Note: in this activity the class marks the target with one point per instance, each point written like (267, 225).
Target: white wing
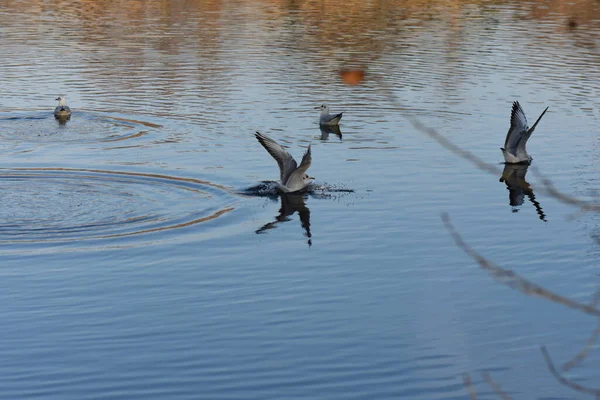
(286, 162)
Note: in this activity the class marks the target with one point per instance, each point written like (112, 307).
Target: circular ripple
(50, 205)
(81, 127)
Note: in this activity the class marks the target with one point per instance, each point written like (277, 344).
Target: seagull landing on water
(62, 111)
(293, 178)
(514, 151)
(326, 118)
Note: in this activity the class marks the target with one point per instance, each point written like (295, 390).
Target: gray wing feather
(329, 117)
(306, 160)
(527, 134)
(518, 127)
(287, 164)
(298, 174)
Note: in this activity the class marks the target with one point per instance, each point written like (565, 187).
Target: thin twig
(567, 382)
(469, 385)
(511, 279)
(579, 357)
(596, 299)
(467, 155)
(548, 186)
(488, 378)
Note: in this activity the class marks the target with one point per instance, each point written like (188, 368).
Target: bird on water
(62, 111)
(326, 118)
(514, 150)
(293, 177)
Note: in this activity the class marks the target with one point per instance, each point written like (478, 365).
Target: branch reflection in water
(291, 203)
(511, 279)
(514, 178)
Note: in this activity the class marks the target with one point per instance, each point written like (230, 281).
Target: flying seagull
(514, 151)
(326, 118)
(62, 111)
(293, 178)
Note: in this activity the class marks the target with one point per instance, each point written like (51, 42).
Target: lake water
(136, 264)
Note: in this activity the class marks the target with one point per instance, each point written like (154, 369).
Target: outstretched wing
(296, 178)
(518, 127)
(286, 162)
(305, 163)
(527, 134)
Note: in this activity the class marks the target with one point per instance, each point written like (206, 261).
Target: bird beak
(310, 177)
(317, 108)
(57, 99)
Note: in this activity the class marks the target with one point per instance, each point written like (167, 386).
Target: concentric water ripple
(53, 205)
(82, 127)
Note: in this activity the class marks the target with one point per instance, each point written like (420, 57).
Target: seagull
(293, 178)
(514, 147)
(62, 111)
(326, 118)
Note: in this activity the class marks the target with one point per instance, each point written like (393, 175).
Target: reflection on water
(62, 121)
(513, 176)
(290, 204)
(51, 205)
(84, 127)
(327, 129)
(337, 321)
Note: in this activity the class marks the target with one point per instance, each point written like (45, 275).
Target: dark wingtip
(259, 136)
(539, 119)
(515, 107)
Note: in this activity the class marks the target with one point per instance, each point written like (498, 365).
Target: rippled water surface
(144, 255)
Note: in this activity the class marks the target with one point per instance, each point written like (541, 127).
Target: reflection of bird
(291, 203)
(327, 129)
(326, 118)
(514, 146)
(514, 178)
(62, 111)
(293, 178)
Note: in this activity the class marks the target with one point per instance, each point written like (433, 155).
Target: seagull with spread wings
(514, 151)
(293, 178)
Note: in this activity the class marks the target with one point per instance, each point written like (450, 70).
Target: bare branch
(567, 382)
(579, 357)
(596, 299)
(469, 385)
(488, 378)
(511, 279)
(467, 155)
(548, 186)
